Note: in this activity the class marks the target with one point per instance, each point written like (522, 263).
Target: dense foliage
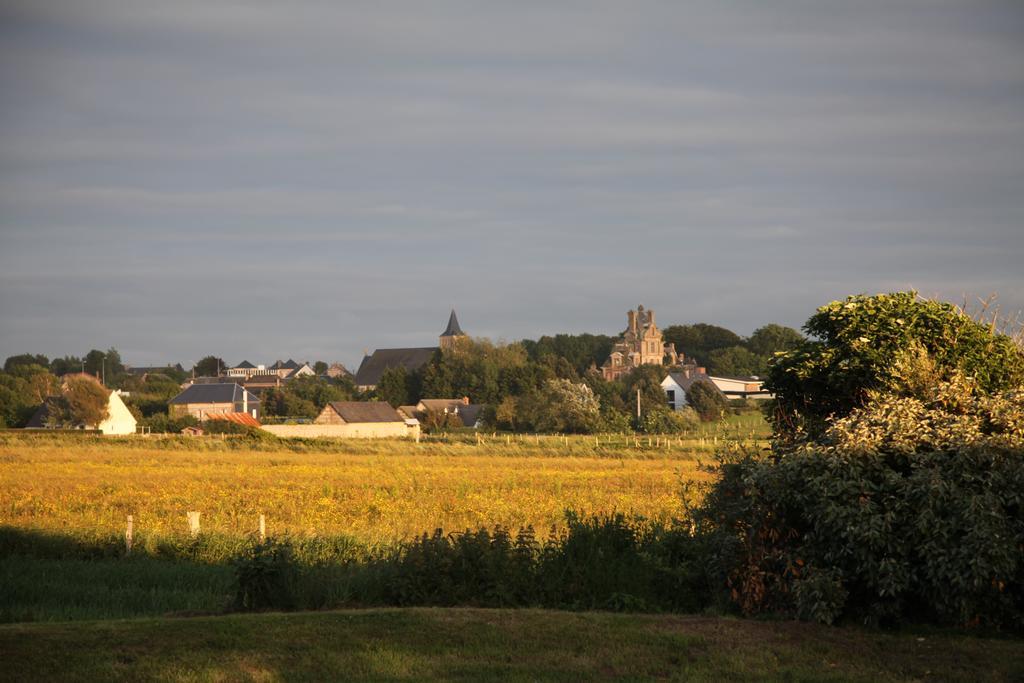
(857, 341)
(905, 502)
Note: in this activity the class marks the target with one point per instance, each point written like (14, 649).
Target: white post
(193, 523)
(263, 528)
(128, 536)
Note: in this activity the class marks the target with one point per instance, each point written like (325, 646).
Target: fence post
(263, 528)
(128, 536)
(193, 523)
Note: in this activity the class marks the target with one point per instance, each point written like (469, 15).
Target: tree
(65, 365)
(699, 340)
(94, 362)
(736, 361)
(647, 380)
(87, 401)
(13, 362)
(320, 367)
(561, 406)
(709, 403)
(393, 387)
(772, 338)
(854, 350)
(210, 366)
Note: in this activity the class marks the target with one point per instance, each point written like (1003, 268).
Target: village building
(468, 413)
(751, 387)
(353, 419)
(376, 364)
(677, 384)
(640, 344)
(203, 400)
(119, 420)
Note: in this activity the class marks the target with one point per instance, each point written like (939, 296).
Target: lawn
(482, 645)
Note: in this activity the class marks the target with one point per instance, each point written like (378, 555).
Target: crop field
(65, 499)
(375, 492)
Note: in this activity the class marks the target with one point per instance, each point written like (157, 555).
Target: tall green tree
(13, 362)
(736, 361)
(699, 340)
(772, 338)
(210, 366)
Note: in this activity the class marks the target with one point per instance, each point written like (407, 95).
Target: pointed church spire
(453, 329)
(452, 333)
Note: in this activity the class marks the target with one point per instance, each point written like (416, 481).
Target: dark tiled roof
(453, 329)
(470, 414)
(449, 404)
(42, 414)
(212, 393)
(287, 365)
(244, 365)
(366, 411)
(373, 366)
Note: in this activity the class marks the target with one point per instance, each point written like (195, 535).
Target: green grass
(43, 589)
(482, 645)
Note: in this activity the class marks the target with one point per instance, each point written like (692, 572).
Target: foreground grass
(475, 645)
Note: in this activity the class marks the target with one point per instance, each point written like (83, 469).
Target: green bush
(911, 507)
(857, 343)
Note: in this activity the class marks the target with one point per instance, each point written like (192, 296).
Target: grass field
(484, 645)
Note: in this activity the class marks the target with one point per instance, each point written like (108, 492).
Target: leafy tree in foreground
(857, 342)
(907, 506)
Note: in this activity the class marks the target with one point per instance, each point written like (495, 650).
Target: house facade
(354, 420)
(640, 344)
(677, 384)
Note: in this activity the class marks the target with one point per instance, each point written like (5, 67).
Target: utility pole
(638, 406)
(103, 369)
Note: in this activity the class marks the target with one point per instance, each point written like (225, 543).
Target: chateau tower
(640, 344)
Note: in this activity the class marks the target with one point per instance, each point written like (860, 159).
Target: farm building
(353, 419)
(741, 387)
(119, 420)
(203, 400)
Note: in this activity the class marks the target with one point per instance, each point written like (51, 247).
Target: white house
(676, 384)
(119, 420)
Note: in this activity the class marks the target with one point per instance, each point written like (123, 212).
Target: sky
(313, 179)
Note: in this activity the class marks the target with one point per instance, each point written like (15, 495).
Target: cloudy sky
(311, 179)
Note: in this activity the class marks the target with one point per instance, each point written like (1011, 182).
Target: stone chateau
(640, 344)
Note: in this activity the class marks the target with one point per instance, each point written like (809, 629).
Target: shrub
(264, 577)
(908, 508)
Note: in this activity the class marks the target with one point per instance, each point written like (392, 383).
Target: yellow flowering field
(398, 490)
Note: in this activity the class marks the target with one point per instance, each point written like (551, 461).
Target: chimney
(631, 317)
(650, 317)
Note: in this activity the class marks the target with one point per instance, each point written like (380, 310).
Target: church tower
(452, 334)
